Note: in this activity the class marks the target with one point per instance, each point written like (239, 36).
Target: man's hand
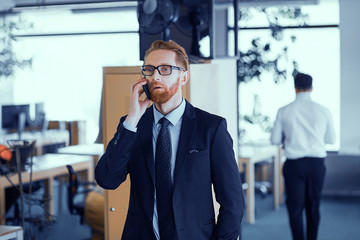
(137, 106)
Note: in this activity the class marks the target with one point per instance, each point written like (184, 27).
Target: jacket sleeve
(112, 168)
(227, 185)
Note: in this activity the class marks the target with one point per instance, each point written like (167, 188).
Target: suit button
(150, 219)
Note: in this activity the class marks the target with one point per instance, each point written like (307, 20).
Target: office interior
(55, 97)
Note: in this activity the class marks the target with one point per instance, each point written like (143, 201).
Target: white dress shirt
(175, 118)
(303, 127)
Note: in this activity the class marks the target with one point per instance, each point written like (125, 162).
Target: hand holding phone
(138, 104)
(146, 90)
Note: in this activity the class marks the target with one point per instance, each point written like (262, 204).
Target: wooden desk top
(95, 149)
(48, 165)
(257, 152)
(46, 168)
(41, 137)
(53, 160)
(4, 229)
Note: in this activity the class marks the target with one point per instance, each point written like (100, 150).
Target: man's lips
(157, 87)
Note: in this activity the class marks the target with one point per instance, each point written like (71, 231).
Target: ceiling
(13, 6)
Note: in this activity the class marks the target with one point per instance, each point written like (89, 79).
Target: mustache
(154, 83)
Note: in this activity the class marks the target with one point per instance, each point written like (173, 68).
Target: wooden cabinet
(117, 82)
(213, 89)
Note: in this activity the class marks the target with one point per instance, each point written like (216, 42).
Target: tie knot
(164, 122)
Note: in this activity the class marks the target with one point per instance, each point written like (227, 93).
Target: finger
(138, 84)
(144, 102)
(141, 90)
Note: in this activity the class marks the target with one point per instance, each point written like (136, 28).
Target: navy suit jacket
(205, 156)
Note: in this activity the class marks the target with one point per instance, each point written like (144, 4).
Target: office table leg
(281, 197)
(2, 206)
(90, 173)
(281, 177)
(11, 233)
(20, 235)
(48, 195)
(276, 188)
(250, 192)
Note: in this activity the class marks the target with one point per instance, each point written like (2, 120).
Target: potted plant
(260, 58)
(8, 60)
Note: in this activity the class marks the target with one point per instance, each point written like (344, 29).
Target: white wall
(350, 77)
(343, 169)
(213, 88)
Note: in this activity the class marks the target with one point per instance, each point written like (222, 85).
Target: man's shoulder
(287, 106)
(202, 114)
(315, 106)
(310, 105)
(203, 117)
(319, 105)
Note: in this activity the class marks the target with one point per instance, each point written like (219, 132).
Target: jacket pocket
(207, 229)
(194, 153)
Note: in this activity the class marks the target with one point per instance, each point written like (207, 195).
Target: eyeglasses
(164, 70)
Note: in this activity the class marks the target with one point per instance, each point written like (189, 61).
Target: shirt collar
(174, 116)
(303, 96)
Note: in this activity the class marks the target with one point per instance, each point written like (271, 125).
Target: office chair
(77, 191)
(262, 186)
(26, 149)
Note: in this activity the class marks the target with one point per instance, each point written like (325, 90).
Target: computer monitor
(36, 119)
(13, 117)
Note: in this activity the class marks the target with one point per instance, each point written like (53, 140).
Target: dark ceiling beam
(75, 5)
(67, 3)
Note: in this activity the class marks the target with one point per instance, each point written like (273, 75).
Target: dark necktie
(163, 182)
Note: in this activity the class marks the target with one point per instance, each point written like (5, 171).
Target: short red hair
(181, 57)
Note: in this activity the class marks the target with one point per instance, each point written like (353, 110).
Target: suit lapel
(145, 128)
(188, 127)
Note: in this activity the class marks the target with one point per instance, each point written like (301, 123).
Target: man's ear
(184, 77)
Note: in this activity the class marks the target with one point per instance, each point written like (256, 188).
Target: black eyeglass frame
(157, 68)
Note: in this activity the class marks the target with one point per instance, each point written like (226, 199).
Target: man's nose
(156, 75)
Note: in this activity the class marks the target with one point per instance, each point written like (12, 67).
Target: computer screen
(10, 116)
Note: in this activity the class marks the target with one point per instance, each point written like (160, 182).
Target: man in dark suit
(174, 154)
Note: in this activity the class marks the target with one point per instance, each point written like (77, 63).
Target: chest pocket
(193, 154)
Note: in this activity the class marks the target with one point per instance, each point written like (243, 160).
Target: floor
(64, 227)
(340, 220)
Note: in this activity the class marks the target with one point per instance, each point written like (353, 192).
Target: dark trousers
(304, 179)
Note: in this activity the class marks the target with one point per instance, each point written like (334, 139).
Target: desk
(249, 155)
(11, 232)
(96, 150)
(46, 168)
(42, 138)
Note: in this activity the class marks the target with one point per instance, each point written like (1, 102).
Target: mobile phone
(146, 90)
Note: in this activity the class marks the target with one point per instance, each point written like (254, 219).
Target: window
(316, 51)
(69, 51)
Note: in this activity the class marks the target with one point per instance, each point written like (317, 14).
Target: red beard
(164, 96)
